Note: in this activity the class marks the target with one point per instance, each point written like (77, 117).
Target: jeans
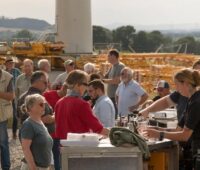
(114, 103)
(14, 123)
(4, 146)
(56, 153)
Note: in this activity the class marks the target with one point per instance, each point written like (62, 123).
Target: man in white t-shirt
(129, 94)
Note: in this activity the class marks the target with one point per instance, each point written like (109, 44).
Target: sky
(108, 12)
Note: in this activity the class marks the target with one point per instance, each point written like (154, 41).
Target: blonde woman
(187, 82)
(35, 139)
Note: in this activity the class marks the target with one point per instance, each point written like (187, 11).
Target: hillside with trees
(24, 23)
(125, 38)
(128, 39)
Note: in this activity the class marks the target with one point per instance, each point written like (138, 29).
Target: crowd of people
(80, 101)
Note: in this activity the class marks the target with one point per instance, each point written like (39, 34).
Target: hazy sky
(108, 12)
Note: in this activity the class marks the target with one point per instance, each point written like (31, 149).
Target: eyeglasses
(85, 84)
(41, 104)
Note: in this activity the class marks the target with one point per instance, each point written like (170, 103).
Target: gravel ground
(16, 153)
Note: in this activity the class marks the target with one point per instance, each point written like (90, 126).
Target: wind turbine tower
(74, 25)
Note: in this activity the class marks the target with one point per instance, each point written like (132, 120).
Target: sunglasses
(41, 104)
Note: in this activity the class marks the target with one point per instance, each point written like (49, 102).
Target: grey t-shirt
(114, 71)
(42, 142)
(60, 79)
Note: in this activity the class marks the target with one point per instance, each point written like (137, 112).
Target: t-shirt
(48, 109)
(74, 115)
(128, 95)
(192, 119)
(181, 102)
(114, 71)
(23, 82)
(42, 143)
(105, 111)
(51, 97)
(60, 79)
(15, 73)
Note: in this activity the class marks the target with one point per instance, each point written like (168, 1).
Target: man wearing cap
(15, 72)
(10, 67)
(163, 89)
(6, 97)
(69, 66)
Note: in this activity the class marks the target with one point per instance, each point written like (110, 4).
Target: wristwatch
(161, 137)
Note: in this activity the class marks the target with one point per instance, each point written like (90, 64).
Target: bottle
(197, 162)
(130, 126)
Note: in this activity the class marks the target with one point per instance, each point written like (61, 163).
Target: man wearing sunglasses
(162, 88)
(39, 83)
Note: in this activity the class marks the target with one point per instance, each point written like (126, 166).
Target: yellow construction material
(148, 67)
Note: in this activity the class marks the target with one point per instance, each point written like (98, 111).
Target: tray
(79, 143)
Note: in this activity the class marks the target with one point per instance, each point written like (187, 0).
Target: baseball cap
(68, 62)
(162, 84)
(9, 59)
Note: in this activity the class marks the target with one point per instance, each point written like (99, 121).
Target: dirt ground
(16, 153)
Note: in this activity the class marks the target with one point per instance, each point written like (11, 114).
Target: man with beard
(129, 95)
(103, 108)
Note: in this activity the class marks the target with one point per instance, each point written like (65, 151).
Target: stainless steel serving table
(108, 157)
(102, 157)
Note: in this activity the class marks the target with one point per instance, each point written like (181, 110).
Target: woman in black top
(187, 82)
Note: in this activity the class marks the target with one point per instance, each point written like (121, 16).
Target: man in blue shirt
(103, 108)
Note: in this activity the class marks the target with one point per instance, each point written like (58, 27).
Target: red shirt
(51, 97)
(74, 115)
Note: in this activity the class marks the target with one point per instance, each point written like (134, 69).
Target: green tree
(155, 39)
(125, 36)
(24, 34)
(141, 42)
(197, 47)
(188, 44)
(101, 35)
